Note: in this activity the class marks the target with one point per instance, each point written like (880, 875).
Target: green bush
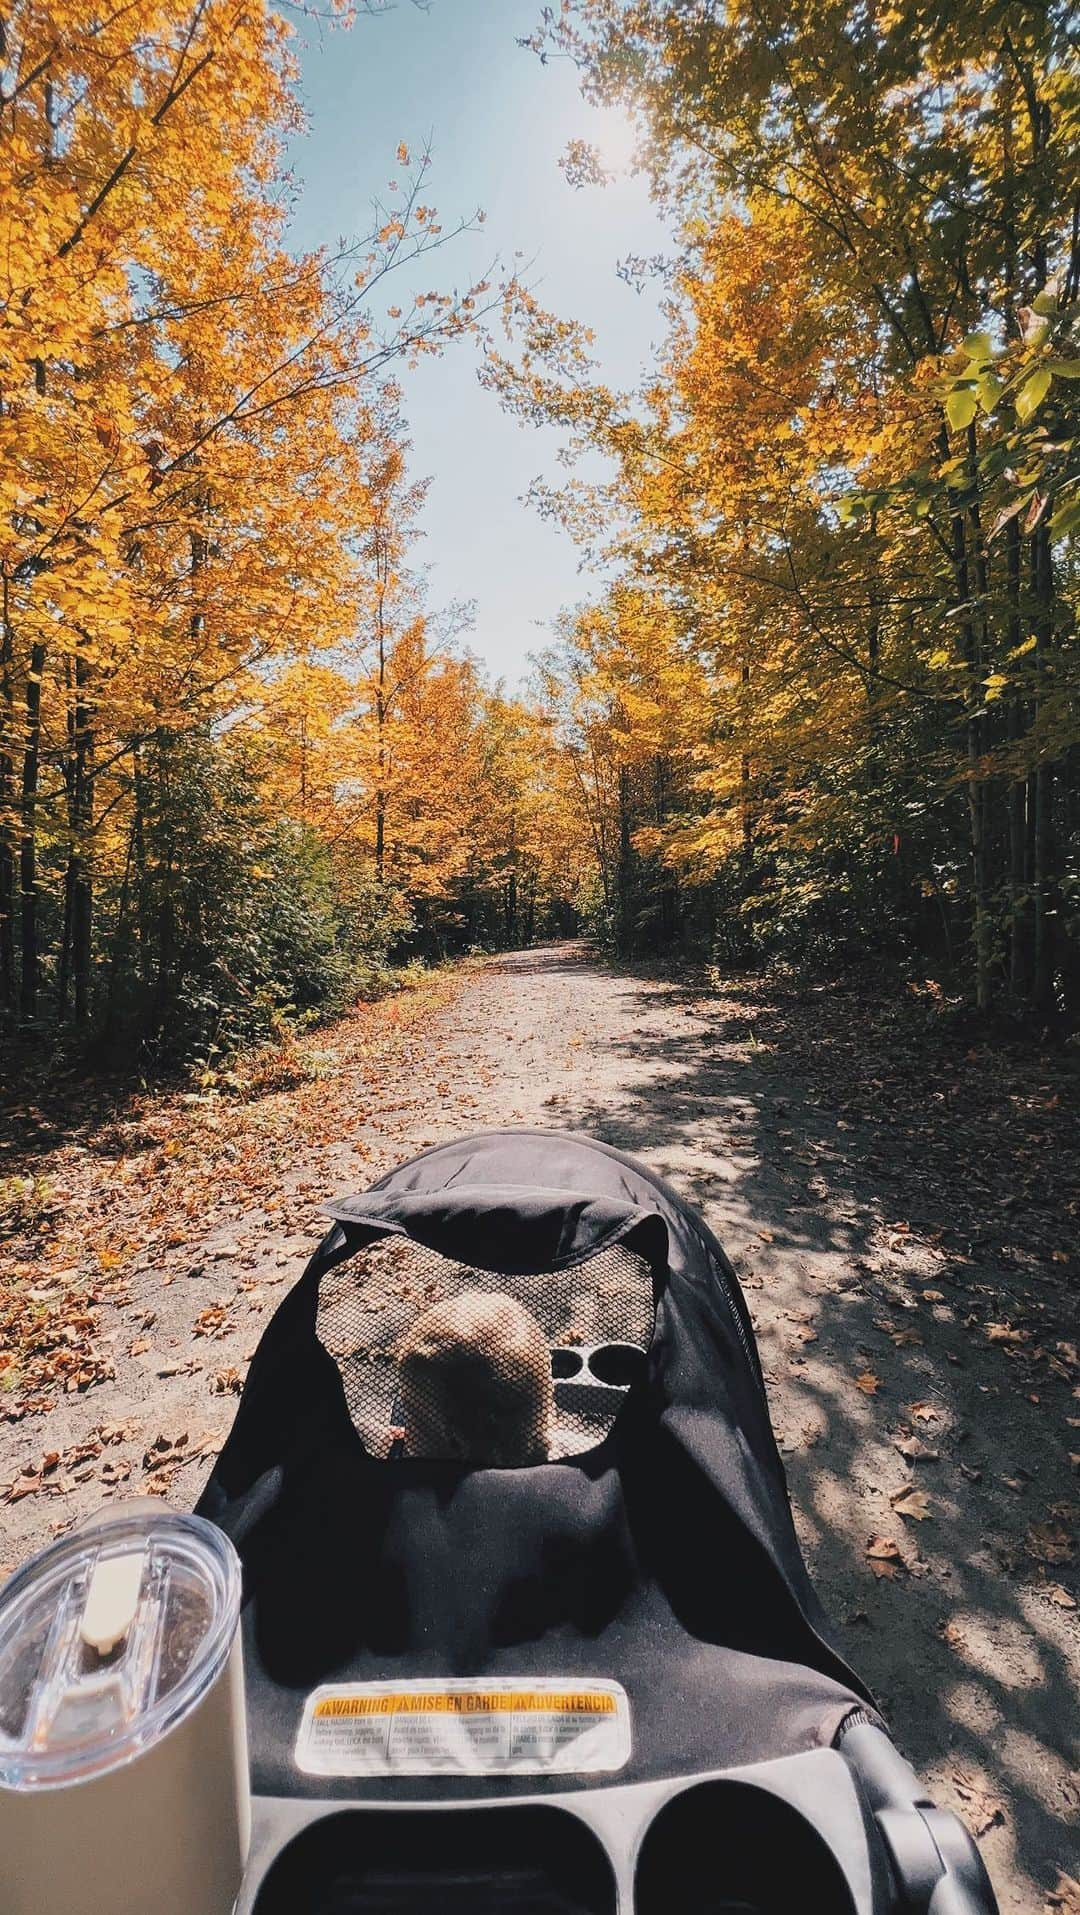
(247, 926)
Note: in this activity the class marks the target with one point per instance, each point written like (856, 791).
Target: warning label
(514, 1726)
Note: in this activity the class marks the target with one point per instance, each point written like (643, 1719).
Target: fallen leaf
(868, 1383)
(212, 1322)
(139, 1347)
(165, 1450)
(982, 1808)
(914, 1450)
(952, 1633)
(924, 1413)
(1005, 1333)
(1059, 1597)
(1064, 1897)
(1049, 1542)
(27, 1484)
(933, 1296)
(912, 1503)
(884, 1557)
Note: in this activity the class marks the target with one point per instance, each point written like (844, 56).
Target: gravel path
(904, 1360)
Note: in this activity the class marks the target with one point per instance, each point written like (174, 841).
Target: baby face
(475, 1382)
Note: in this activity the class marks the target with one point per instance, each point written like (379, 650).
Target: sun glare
(614, 136)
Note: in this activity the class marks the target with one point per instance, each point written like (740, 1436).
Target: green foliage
(247, 928)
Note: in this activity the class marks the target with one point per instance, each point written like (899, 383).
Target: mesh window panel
(439, 1359)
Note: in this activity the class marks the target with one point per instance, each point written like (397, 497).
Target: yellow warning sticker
(513, 1726)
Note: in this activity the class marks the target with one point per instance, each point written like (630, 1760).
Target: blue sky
(498, 121)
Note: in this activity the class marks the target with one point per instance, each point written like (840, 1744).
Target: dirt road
(912, 1312)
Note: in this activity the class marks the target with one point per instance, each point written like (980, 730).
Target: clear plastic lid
(108, 1639)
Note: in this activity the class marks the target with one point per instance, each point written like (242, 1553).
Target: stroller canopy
(654, 1551)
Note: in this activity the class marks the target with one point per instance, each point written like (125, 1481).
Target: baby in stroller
(563, 1653)
(474, 1377)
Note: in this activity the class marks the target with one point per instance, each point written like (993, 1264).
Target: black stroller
(598, 1683)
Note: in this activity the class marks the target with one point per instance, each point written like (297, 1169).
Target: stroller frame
(805, 1802)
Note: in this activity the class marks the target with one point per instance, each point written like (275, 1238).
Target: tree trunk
(382, 582)
(63, 975)
(138, 845)
(747, 819)
(7, 845)
(980, 912)
(1043, 956)
(622, 873)
(82, 886)
(28, 981)
(1019, 915)
(380, 807)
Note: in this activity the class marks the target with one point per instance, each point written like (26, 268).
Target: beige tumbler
(123, 1751)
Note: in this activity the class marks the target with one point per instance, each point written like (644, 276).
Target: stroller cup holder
(826, 1832)
(593, 1378)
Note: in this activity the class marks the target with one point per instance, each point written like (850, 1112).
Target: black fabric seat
(664, 1558)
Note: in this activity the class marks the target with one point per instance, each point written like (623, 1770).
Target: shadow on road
(883, 1239)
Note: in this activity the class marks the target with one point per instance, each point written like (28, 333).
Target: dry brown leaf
(933, 1296)
(139, 1347)
(982, 1808)
(905, 1338)
(914, 1450)
(883, 1555)
(952, 1633)
(924, 1413)
(27, 1484)
(212, 1322)
(1064, 1897)
(165, 1450)
(1049, 1542)
(913, 1504)
(1004, 1333)
(1059, 1597)
(868, 1383)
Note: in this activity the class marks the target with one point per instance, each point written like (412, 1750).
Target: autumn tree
(190, 417)
(853, 480)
